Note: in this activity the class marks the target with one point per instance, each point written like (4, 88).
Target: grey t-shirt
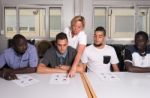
(51, 59)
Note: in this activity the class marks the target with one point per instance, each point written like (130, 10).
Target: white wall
(69, 12)
(87, 12)
(72, 8)
(121, 2)
(68, 7)
(22, 2)
(3, 41)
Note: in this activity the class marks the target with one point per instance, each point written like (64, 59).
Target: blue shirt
(14, 61)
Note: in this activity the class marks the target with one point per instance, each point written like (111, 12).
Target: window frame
(114, 35)
(46, 25)
(148, 18)
(108, 21)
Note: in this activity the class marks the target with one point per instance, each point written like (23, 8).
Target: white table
(43, 89)
(130, 85)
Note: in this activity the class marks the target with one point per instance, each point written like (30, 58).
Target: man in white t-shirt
(98, 57)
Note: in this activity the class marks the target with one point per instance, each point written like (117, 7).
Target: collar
(143, 53)
(62, 55)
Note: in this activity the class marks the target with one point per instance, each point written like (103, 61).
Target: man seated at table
(58, 58)
(137, 56)
(20, 58)
(98, 57)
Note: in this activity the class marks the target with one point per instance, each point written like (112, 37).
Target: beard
(98, 45)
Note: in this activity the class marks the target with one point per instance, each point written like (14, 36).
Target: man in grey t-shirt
(58, 58)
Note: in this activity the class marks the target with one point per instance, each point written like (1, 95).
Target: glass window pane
(31, 23)
(55, 21)
(142, 19)
(10, 22)
(26, 23)
(122, 22)
(99, 17)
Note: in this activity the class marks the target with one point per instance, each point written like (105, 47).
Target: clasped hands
(8, 74)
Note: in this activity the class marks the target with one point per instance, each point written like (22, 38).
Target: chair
(42, 47)
(120, 54)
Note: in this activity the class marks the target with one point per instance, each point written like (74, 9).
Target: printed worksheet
(108, 76)
(59, 79)
(25, 80)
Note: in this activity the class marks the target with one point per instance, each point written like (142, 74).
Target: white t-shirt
(94, 58)
(81, 38)
(133, 56)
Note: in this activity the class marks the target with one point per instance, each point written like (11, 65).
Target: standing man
(58, 59)
(20, 58)
(137, 56)
(98, 57)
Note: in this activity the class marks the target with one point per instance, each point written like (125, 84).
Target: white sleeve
(82, 38)
(84, 57)
(114, 58)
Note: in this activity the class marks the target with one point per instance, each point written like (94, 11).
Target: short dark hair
(16, 39)
(100, 29)
(61, 36)
(142, 33)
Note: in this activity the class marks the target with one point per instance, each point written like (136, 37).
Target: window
(31, 22)
(10, 22)
(99, 17)
(122, 22)
(55, 21)
(142, 24)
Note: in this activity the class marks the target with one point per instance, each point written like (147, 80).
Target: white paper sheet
(59, 79)
(25, 80)
(108, 76)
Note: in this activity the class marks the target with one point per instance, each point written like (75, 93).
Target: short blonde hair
(78, 18)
